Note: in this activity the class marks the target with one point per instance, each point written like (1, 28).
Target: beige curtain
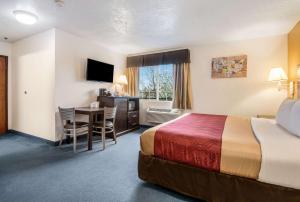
(182, 86)
(132, 74)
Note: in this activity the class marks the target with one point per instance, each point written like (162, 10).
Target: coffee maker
(102, 92)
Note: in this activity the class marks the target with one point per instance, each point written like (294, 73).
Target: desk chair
(107, 125)
(71, 127)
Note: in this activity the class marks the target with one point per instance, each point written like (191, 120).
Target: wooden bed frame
(210, 186)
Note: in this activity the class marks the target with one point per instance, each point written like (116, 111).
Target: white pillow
(294, 126)
(283, 114)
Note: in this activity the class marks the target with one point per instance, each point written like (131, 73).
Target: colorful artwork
(229, 67)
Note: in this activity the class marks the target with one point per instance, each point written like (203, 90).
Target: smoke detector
(60, 3)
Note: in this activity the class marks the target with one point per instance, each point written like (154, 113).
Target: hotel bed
(222, 158)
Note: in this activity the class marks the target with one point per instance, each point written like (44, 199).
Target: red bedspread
(195, 139)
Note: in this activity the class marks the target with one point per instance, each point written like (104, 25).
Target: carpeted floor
(33, 171)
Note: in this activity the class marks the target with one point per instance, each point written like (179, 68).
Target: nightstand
(266, 116)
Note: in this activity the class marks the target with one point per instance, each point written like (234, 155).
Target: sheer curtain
(132, 74)
(182, 86)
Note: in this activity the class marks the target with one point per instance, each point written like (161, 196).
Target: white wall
(5, 49)
(239, 96)
(236, 96)
(33, 71)
(71, 53)
(50, 66)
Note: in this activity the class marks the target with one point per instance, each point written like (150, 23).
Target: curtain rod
(155, 51)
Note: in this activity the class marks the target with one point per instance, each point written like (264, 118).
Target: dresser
(127, 117)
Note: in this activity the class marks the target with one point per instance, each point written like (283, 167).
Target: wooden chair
(107, 125)
(71, 127)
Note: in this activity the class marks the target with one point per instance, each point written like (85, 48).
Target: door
(3, 94)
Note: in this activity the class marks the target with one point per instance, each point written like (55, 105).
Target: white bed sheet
(280, 153)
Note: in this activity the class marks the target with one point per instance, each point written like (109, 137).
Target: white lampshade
(277, 74)
(123, 80)
(298, 72)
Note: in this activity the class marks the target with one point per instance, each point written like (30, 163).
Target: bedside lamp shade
(123, 80)
(298, 72)
(277, 74)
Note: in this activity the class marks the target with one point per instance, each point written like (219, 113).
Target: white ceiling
(132, 26)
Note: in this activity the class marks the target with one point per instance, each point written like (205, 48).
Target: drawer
(133, 115)
(133, 119)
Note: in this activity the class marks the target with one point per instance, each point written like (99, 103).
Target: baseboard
(146, 126)
(126, 131)
(67, 139)
(15, 132)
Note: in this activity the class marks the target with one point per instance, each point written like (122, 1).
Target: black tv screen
(99, 71)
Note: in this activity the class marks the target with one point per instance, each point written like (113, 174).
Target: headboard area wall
(294, 57)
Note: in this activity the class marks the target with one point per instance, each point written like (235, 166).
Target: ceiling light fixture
(25, 17)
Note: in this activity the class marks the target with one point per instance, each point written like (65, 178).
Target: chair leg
(103, 138)
(115, 137)
(74, 142)
(61, 139)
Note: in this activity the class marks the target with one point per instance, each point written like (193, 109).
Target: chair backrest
(110, 113)
(67, 114)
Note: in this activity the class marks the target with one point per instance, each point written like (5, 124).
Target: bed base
(210, 186)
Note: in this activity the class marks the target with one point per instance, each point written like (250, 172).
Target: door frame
(6, 91)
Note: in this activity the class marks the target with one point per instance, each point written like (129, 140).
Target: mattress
(280, 154)
(220, 143)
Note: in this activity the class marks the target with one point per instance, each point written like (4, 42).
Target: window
(156, 82)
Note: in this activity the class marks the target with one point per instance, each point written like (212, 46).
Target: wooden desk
(91, 112)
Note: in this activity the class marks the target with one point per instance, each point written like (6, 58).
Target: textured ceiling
(132, 26)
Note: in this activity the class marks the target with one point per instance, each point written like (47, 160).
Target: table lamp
(277, 74)
(298, 72)
(122, 81)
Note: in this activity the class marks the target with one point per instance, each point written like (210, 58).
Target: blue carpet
(34, 171)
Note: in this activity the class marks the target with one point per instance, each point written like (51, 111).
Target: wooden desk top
(88, 109)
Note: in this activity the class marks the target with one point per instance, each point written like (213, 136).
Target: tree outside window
(156, 82)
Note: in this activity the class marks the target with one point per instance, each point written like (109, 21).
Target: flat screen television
(99, 71)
